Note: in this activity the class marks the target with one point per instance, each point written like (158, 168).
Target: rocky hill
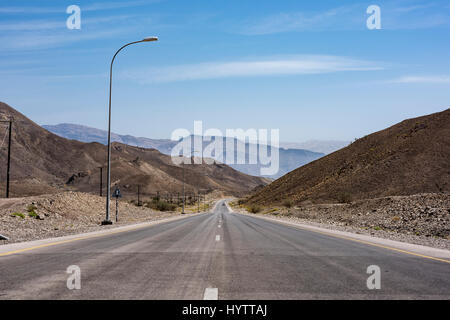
(43, 162)
(408, 158)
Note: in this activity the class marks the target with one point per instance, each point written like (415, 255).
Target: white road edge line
(229, 208)
(211, 294)
(217, 238)
(415, 249)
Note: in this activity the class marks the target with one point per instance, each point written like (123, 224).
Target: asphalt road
(244, 258)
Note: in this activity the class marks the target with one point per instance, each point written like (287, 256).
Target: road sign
(117, 193)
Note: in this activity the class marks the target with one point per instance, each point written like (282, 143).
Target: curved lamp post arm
(108, 175)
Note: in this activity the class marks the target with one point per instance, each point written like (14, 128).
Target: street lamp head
(150, 39)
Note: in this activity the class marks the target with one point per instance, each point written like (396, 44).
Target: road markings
(96, 235)
(355, 240)
(211, 294)
(217, 238)
(219, 225)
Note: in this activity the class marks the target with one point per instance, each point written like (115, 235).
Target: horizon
(313, 71)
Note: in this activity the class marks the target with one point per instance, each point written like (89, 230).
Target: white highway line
(211, 294)
(217, 238)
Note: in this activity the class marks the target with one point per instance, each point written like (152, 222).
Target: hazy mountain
(89, 134)
(43, 162)
(289, 159)
(408, 158)
(321, 146)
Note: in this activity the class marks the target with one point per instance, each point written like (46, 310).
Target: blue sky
(309, 68)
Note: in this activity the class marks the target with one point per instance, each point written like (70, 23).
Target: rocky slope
(422, 219)
(43, 162)
(408, 158)
(45, 216)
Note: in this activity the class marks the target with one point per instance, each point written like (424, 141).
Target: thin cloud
(299, 65)
(438, 79)
(415, 7)
(116, 5)
(36, 25)
(97, 6)
(351, 17)
(303, 21)
(43, 41)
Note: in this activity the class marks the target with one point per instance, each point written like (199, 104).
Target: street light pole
(182, 212)
(9, 159)
(108, 175)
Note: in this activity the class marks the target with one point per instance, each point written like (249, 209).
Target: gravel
(422, 219)
(40, 217)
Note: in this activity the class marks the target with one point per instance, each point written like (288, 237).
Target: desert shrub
(33, 214)
(160, 205)
(344, 197)
(287, 203)
(241, 201)
(254, 208)
(288, 213)
(31, 208)
(18, 214)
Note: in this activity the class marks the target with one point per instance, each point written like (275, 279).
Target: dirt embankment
(39, 217)
(422, 219)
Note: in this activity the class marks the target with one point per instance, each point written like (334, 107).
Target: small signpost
(117, 195)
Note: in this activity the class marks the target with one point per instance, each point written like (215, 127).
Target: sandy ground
(422, 219)
(54, 215)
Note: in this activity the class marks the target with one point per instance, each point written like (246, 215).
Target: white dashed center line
(211, 294)
(218, 238)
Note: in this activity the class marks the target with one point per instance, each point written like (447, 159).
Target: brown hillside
(43, 162)
(408, 158)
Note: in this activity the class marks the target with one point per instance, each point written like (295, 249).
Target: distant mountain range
(89, 134)
(321, 146)
(43, 162)
(289, 158)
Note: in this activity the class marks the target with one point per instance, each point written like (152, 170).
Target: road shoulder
(19, 247)
(407, 248)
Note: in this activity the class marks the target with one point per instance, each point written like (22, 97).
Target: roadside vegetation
(159, 204)
(18, 214)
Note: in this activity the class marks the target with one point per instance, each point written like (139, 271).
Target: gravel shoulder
(66, 213)
(422, 219)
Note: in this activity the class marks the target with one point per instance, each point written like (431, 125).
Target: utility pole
(198, 200)
(9, 159)
(8, 168)
(101, 181)
(139, 201)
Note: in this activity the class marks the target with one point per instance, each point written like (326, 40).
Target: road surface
(220, 255)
